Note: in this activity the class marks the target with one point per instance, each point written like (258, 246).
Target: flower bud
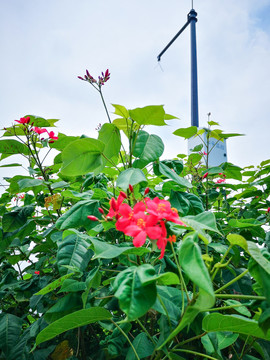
(123, 194)
(101, 210)
(131, 189)
(146, 191)
(93, 218)
(205, 175)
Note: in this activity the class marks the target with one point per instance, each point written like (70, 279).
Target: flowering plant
(112, 252)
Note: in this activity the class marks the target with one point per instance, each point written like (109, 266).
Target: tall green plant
(111, 252)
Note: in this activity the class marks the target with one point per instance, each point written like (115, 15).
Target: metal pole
(192, 19)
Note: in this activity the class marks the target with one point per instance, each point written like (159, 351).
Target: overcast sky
(45, 45)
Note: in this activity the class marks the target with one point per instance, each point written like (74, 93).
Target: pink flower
(204, 153)
(39, 130)
(205, 175)
(24, 120)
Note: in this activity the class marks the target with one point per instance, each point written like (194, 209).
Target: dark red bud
(101, 210)
(146, 191)
(131, 188)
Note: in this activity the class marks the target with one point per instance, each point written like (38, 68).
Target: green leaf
(214, 170)
(29, 184)
(169, 298)
(54, 285)
(225, 339)
(257, 255)
(110, 136)
(11, 165)
(76, 216)
(147, 148)
(130, 176)
(13, 147)
(41, 122)
(15, 220)
(73, 251)
(72, 285)
(186, 133)
(73, 321)
(235, 239)
(63, 141)
(228, 135)
(142, 346)
(201, 222)
(135, 289)
(233, 323)
(10, 330)
(168, 173)
(232, 172)
(82, 156)
(121, 110)
(186, 203)
(191, 261)
(103, 250)
(240, 309)
(149, 115)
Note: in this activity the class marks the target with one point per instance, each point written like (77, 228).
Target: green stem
(125, 335)
(197, 353)
(146, 331)
(165, 309)
(232, 281)
(111, 162)
(221, 261)
(225, 307)
(183, 284)
(104, 104)
(191, 339)
(235, 296)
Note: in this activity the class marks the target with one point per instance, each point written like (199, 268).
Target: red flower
(24, 120)
(142, 226)
(219, 181)
(127, 213)
(205, 175)
(268, 210)
(52, 136)
(39, 131)
(37, 272)
(162, 209)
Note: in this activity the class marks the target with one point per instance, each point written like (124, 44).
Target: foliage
(109, 252)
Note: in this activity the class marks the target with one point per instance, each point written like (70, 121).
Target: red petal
(139, 240)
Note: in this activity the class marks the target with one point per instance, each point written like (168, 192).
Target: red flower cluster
(101, 79)
(146, 219)
(219, 181)
(38, 130)
(24, 120)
